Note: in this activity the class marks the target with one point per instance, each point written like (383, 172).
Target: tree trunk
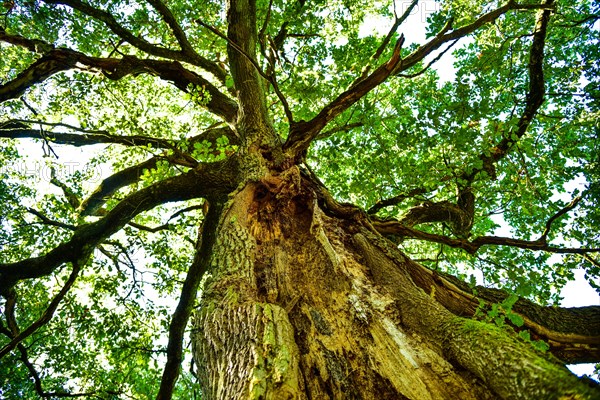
(299, 304)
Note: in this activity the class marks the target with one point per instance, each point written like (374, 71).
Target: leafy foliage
(416, 137)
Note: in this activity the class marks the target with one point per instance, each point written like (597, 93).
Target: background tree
(312, 193)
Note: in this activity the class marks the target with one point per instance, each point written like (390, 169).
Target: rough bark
(303, 297)
(302, 305)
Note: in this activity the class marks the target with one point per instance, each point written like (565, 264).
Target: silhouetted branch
(48, 221)
(472, 246)
(166, 225)
(187, 298)
(185, 55)
(37, 382)
(20, 129)
(71, 197)
(559, 214)
(57, 60)
(207, 180)
(397, 22)
(302, 133)
(429, 64)
(46, 316)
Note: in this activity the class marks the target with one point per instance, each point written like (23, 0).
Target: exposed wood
(362, 328)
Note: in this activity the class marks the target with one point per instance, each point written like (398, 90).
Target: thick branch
(535, 98)
(58, 60)
(487, 351)
(459, 220)
(169, 18)
(110, 185)
(84, 139)
(33, 45)
(460, 216)
(186, 54)
(132, 174)
(392, 201)
(51, 63)
(302, 133)
(269, 76)
(208, 181)
(572, 333)
(241, 49)
(187, 298)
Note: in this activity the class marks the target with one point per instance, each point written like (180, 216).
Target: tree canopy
(123, 124)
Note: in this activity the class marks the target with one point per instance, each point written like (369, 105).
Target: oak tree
(281, 199)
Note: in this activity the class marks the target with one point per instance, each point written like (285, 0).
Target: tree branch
(71, 197)
(429, 64)
(170, 20)
(535, 97)
(113, 183)
(208, 180)
(269, 78)
(20, 129)
(559, 214)
(37, 382)
(48, 221)
(458, 219)
(241, 50)
(48, 65)
(342, 128)
(166, 225)
(392, 201)
(58, 60)
(187, 54)
(447, 34)
(591, 260)
(84, 139)
(460, 215)
(302, 133)
(187, 298)
(572, 333)
(46, 316)
(282, 34)
(397, 22)
(472, 246)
